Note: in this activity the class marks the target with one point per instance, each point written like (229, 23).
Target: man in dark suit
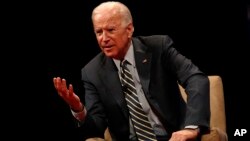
(156, 68)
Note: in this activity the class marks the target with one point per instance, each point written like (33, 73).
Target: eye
(111, 30)
(98, 32)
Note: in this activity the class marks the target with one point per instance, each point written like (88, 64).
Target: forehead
(101, 19)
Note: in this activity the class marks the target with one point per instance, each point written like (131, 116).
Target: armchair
(218, 117)
(217, 106)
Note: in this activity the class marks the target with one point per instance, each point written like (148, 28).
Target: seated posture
(131, 86)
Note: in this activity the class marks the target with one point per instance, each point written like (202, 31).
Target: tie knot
(124, 63)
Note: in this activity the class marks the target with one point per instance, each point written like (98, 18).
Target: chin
(110, 54)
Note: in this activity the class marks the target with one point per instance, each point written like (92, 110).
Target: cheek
(98, 40)
(118, 47)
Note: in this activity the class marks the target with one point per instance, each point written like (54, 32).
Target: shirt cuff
(80, 116)
(193, 127)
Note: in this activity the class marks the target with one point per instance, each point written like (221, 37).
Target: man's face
(113, 36)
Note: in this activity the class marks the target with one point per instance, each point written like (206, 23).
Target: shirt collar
(129, 57)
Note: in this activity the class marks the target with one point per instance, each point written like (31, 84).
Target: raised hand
(68, 95)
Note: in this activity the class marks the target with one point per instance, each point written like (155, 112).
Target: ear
(130, 29)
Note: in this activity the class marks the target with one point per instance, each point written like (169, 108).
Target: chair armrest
(94, 139)
(106, 136)
(215, 134)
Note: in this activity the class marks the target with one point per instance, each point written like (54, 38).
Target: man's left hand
(184, 135)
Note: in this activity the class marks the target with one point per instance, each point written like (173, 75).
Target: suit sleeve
(95, 123)
(194, 81)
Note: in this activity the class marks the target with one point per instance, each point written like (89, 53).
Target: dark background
(211, 33)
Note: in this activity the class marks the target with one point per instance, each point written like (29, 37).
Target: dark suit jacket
(164, 66)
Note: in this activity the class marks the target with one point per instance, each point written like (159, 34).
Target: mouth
(107, 48)
(110, 46)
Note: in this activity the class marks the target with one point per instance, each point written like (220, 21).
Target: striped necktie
(142, 126)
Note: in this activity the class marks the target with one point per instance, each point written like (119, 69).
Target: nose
(105, 36)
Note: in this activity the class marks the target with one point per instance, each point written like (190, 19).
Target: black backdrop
(211, 33)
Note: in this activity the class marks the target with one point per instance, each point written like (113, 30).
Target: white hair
(118, 7)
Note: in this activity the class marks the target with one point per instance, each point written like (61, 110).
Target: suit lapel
(143, 60)
(143, 64)
(110, 78)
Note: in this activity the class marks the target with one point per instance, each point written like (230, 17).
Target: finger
(71, 90)
(59, 83)
(56, 80)
(64, 88)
